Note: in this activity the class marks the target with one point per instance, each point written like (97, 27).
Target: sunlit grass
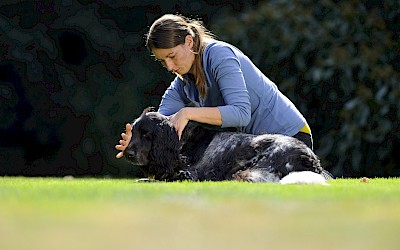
(51, 213)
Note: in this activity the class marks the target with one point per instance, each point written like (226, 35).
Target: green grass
(51, 213)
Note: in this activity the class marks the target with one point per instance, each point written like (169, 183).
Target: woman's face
(178, 59)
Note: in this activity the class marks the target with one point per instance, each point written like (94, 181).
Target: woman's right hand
(126, 138)
(179, 121)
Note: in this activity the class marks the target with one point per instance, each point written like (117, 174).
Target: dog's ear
(165, 150)
(166, 138)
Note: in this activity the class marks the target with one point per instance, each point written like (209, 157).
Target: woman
(216, 84)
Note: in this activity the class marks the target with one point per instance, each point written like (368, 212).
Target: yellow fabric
(306, 129)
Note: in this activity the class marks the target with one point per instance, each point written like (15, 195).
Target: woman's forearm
(209, 115)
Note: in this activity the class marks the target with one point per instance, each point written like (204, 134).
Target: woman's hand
(126, 138)
(179, 120)
(208, 115)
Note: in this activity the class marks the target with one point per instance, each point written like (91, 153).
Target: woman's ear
(189, 41)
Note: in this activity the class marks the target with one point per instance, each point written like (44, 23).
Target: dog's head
(154, 145)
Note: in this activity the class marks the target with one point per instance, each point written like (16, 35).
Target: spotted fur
(205, 154)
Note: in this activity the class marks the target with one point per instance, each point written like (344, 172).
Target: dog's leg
(183, 175)
(255, 175)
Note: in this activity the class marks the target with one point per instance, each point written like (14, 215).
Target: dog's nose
(129, 154)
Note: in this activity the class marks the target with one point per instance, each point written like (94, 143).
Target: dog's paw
(242, 175)
(183, 175)
(303, 177)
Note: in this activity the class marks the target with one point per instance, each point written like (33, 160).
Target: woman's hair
(171, 30)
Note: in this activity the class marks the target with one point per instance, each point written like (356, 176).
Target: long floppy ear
(165, 150)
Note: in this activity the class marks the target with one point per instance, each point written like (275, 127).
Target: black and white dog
(205, 154)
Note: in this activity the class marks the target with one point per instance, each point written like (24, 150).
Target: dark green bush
(339, 61)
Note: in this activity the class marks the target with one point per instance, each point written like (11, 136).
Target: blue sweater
(246, 98)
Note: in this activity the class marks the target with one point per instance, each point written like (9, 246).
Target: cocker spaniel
(204, 154)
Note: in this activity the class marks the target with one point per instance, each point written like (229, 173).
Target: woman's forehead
(161, 54)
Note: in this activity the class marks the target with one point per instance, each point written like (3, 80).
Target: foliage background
(72, 73)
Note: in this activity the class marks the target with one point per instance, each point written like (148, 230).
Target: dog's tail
(306, 177)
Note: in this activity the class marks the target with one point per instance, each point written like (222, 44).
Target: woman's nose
(169, 64)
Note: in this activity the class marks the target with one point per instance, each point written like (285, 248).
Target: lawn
(56, 213)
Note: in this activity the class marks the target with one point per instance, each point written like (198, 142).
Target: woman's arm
(223, 67)
(173, 99)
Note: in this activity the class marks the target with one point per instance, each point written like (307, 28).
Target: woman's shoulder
(218, 46)
(217, 51)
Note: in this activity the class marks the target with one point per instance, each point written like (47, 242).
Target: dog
(205, 154)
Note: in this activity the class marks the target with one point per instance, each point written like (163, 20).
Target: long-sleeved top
(246, 98)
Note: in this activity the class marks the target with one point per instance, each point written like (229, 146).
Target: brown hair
(171, 30)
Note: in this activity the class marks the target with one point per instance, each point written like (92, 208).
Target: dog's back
(269, 157)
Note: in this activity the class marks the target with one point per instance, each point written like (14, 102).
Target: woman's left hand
(126, 138)
(179, 120)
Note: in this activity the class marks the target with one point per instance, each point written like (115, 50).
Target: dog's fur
(205, 154)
